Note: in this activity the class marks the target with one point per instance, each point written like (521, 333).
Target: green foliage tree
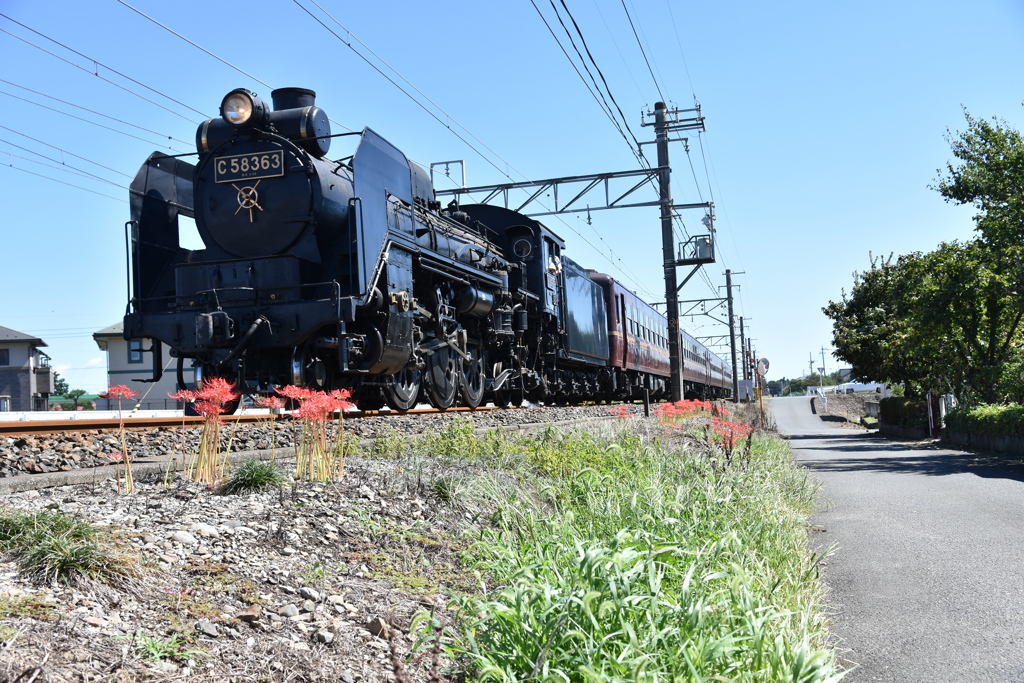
(989, 176)
(869, 324)
(950, 319)
(60, 385)
(74, 395)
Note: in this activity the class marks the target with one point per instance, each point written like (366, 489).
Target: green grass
(172, 648)
(253, 475)
(51, 546)
(638, 555)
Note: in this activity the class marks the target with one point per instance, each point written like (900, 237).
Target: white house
(26, 380)
(131, 364)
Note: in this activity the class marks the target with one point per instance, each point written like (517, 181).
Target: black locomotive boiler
(349, 274)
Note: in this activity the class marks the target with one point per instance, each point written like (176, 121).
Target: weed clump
(253, 475)
(51, 546)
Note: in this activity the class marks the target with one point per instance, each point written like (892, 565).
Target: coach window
(135, 351)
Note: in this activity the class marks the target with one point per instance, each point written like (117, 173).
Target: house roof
(9, 335)
(115, 330)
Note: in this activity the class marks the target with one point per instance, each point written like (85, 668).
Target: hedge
(997, 420)
(903, 412)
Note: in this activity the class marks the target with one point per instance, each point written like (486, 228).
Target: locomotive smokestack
(292, 98)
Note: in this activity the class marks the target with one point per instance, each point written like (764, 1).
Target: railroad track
(16, 427)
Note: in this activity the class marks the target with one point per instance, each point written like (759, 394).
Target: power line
(195, 45)
(92, 111)
(81, 172)
(40, 175)
(96, 73)
(79, 118)
(635, 148)
(62, 168)
(62, 151)
(647, 61)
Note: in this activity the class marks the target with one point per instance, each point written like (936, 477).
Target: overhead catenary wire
(642, 51)
(62, 151)
(79, 118)
(211, 54)
(92, 73)
(635, 147)
(81, 172)
(93, 111)
(62, 182)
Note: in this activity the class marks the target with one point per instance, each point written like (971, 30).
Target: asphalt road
(926, 575)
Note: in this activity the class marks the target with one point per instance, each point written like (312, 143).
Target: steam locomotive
(349, 274)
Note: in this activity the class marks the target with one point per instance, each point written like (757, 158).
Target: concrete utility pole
(668, 246)
(743, 345)
(732, 338)
(823, 366)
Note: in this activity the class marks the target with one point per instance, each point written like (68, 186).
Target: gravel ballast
(299, 583)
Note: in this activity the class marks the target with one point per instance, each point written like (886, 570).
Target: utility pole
(743, 345)
(810, 364)
(668, 247)
(822, 366)
(732, 338)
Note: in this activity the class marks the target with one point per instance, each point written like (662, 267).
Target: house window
(135, 351)
(5, 402)
(5, 356)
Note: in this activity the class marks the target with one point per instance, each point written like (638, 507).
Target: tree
(990, 176)
(950, 319)
(870, 324)
(60, 385)
(74, 395)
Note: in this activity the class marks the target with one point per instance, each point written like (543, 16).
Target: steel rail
(15, 427)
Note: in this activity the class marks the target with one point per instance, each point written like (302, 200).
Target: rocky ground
(302, 583)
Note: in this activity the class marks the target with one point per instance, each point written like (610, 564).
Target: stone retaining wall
(986, 442)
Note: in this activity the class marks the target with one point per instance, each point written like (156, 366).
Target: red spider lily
(119, 391)
(183, 395)
(115, 456)
(681, 410)
(620, 411)
(271, 402)
(208, 408)
(217, 390)
(340, 398)
(295, 393)
(730, 432)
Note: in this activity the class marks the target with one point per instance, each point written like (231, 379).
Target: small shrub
(253, 475)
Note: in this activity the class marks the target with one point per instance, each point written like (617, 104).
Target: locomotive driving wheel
(473, 380)
(442, 378)
(402, 389)
(508, 394)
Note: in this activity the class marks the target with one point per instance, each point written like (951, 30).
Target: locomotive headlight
(242, 107)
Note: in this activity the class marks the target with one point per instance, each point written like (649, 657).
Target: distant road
(927, 577)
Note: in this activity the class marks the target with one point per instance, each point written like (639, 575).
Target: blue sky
(825, 127)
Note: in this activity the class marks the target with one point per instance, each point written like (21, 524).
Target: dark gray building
(26, 380)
